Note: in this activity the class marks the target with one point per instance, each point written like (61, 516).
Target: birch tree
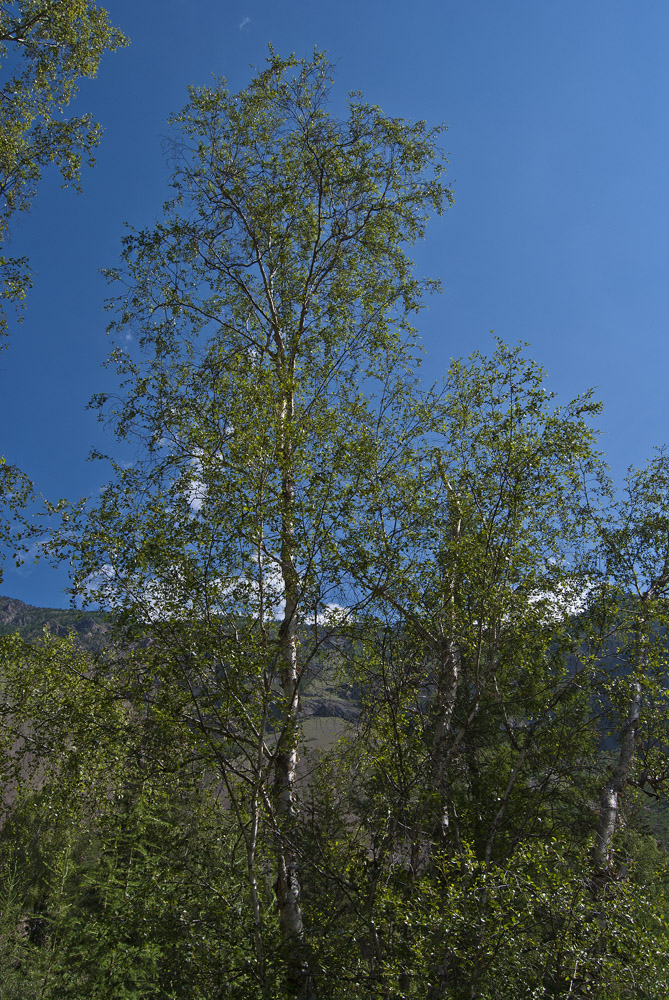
(489, 591)
(271, 311)
(635, 569)
(514, 676)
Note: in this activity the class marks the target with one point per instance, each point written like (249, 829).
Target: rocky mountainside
(90, 628)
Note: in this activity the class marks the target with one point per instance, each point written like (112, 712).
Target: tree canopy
(444, 577)
(46, 47)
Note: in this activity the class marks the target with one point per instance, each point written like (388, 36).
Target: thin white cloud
(100, 586)
(333, 615)
(196, 494)
(568, 600)
(244, 21)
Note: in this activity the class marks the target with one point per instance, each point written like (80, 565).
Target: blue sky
(558, 141)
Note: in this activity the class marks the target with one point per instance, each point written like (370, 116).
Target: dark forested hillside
(89, 629)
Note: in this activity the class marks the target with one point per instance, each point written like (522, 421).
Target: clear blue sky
(558, 140)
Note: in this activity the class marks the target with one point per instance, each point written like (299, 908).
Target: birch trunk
(286, 759)
(609, 799)
(447, 681)
(447, 688)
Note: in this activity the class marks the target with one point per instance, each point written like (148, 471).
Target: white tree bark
(609, 799)
(286, 759)
(448, 678)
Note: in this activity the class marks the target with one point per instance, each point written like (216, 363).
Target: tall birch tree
(274, 369)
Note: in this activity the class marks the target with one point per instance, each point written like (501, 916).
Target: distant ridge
(322, 697)
(89, 628)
